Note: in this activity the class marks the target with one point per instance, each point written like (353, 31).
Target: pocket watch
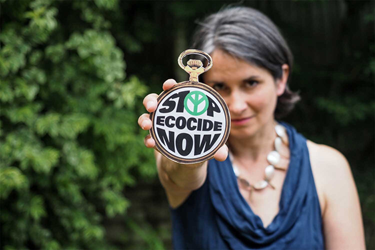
(191, 121)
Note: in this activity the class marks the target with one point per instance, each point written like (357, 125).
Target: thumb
(222, 153)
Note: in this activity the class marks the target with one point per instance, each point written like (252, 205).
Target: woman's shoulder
(329, 164)
(338, 197)
(332, 174)
(327, 157)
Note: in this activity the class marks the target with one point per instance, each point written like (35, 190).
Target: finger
(150, 102)
(168, 84)
(149, 142)
(222, 153)
(144, 121)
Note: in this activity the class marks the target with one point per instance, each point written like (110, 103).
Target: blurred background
(74, 173)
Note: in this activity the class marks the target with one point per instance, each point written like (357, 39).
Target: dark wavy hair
(249, 35)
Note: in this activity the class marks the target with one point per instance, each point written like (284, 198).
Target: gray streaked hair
(248, 34)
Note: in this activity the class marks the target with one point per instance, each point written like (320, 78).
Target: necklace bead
(261, 184)
(270, 172)
(278, 144)
(274, 157)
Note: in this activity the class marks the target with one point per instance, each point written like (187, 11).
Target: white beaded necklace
(281, 151)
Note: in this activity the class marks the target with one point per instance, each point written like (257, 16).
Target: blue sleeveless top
(216, 216)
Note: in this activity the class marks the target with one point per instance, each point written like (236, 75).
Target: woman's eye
(252, 83)
(218, 86)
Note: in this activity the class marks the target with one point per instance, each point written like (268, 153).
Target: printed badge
(191, 122)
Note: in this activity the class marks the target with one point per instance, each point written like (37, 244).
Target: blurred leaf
(349, 111)
(11, 178)
(37, 208)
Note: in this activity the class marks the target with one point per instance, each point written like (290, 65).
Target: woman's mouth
(241, 121)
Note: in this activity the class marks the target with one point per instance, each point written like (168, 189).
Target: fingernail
(143, 125)
(149, 105)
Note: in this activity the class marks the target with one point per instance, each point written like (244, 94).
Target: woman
(300, 197)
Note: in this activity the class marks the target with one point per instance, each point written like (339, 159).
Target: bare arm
(178, 180)
(342, 220)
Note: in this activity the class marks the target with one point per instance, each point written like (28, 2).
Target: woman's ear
(281, 83)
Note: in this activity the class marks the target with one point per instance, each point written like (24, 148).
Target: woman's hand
(178, 180)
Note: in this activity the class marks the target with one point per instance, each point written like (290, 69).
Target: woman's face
(249, 91)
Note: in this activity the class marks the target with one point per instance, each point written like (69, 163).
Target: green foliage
(349, 110)
(69, 141)
(147, 234)
(11, 178)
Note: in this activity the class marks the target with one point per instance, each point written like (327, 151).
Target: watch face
(190, 123)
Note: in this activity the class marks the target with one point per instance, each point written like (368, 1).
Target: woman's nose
(237, 103)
